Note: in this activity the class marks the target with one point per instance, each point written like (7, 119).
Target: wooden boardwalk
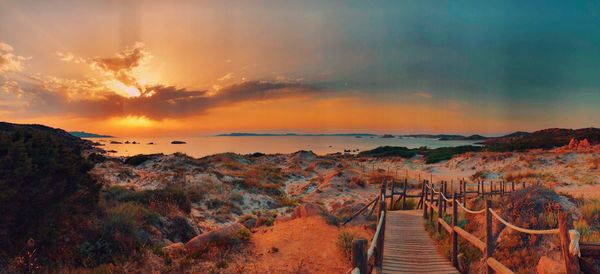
(408, 247)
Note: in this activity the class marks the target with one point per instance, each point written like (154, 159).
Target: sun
(122, 89)
(133, 121)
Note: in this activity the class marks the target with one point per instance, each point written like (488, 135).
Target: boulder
(547, 265)
(220, 236)
(584, 145)
(573, 144)
(305, 210)
(174, 250)
(250, 223)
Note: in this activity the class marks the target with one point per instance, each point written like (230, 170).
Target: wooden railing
(365, 260)
(437, 204)
(436, 201)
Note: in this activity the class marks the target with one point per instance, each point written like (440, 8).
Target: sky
(175, 68)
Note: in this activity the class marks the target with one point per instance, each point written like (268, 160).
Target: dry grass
(344, 242)
(594, 163)
(589, 223)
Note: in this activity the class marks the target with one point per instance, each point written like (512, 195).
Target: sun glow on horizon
(133, 121)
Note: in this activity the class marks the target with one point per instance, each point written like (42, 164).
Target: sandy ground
(305, 245)
(587, 191)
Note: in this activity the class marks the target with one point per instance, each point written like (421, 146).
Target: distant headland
(83, 134)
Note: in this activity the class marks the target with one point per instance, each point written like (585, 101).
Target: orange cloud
(122, 67)
(9, 62)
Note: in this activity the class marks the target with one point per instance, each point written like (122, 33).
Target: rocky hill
(542, 139)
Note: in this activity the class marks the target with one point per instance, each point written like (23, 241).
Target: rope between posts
(374, 242)
(470, 211)
(524, 230)
(444, 197)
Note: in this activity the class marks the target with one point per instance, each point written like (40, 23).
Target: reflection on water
(202, 146)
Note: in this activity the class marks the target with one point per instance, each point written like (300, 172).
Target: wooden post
(513, 186)
(440, 200)
(454, 234)
(483, 189)
(489, 236)
(359, 254)
(478, 187)
(431, 202)
(424, 199)
(404, 193)
(445, 184)
(565, 223)
(522, 184)
(392, 204)
(380, 240)
(464, 197)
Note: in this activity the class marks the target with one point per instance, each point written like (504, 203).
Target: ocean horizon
(209, 145)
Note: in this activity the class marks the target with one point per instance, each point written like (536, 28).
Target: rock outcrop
(219, 236)
(306, 210)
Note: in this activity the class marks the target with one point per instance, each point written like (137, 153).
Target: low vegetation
(46, 194)
(344, 242)
(431, 155)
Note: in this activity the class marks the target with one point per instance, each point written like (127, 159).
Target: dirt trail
(304, 245)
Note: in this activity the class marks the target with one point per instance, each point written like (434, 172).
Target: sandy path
(305, 245)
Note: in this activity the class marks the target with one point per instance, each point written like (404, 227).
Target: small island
(244, 134)
(178, 142)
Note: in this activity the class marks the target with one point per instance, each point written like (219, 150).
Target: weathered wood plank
(470, 238)
(409, 248)
(498, 267)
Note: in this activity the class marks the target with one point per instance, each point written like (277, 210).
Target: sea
(208, 145)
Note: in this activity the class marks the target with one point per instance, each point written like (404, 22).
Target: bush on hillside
(171, 195)
(46, 193)
(431, 155)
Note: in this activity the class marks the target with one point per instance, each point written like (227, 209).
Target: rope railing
(374, 242)
(436, 202)
(468, 210)
(374, 201)
(524, 230)
(361, 255)
(444, 197)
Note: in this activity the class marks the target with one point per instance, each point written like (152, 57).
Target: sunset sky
(169, 68)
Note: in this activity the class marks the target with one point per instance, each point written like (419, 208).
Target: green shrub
(431, 155)
(44, 187)
(180, 230)
(140, 159)
(170, 195)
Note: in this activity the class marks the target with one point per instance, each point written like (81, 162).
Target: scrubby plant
(140, 159)
(410, 204)
(344, 242)
(45, 188)
(180, 230)
(172, 195)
